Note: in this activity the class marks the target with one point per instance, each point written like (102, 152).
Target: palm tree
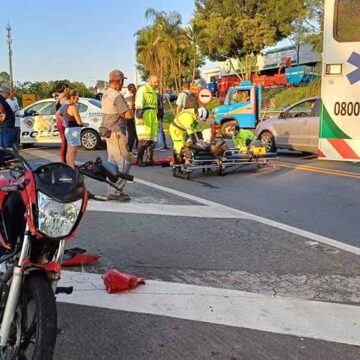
(166, 49)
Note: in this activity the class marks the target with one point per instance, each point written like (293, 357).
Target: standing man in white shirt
(115, 114)
(13, 102)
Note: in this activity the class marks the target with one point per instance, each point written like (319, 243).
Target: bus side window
(346, 19)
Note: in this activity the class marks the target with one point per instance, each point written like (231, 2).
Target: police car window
(36, 109)
(95, 102)
(82, 107)
(47, 109)
(346, 20)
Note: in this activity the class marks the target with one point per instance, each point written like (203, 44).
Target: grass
(281, 97)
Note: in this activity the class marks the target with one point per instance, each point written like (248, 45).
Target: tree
(166, 49)
(237, 28)
(43, 89)
(309, 28)
(101, 84)
(4, 78)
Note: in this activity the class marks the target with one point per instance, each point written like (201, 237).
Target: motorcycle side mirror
(17, 172)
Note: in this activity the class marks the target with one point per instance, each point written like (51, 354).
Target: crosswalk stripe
(318, 320)
(159, 209)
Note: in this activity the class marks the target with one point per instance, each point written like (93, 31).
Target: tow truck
(242, 107)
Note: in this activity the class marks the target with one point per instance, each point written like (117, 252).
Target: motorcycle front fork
(14, 291)
(15, 287)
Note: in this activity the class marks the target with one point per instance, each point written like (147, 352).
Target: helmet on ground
(203, 113)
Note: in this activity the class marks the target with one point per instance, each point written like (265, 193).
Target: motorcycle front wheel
(34, 328)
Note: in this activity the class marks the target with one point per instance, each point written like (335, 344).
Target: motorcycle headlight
(56, 219)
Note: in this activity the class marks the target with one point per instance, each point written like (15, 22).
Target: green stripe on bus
(329, 129)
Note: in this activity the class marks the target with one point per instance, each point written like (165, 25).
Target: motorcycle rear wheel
(35, 322)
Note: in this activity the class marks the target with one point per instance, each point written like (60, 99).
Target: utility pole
(9, 42)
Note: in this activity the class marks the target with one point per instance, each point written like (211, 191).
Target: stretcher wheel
(188, 176)
(220, 172)
(261, 164)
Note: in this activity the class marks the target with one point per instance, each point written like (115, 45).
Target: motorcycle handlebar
(125, 176)
(102, 171)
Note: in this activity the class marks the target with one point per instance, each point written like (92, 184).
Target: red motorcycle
(41, 209)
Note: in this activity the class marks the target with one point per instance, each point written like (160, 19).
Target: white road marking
(318, 320)
(228, 212)
(158, 209)
(235, 213)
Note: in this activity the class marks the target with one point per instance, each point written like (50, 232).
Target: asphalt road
(191, 238)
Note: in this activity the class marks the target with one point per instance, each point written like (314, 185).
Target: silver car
(295, 128)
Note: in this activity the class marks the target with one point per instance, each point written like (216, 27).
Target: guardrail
(266, 113)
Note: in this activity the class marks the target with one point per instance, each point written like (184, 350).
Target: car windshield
(95, 102)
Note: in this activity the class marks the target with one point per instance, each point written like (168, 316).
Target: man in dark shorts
(7, 120)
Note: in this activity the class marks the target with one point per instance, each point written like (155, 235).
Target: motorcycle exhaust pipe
(14, 292)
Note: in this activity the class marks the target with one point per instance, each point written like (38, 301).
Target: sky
(80, 40)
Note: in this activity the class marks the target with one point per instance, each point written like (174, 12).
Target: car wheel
(90, 139)
(268, 140)
(227, 129)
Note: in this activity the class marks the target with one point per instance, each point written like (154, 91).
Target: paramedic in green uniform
(243, 138)
(186, 123)
(146, 121)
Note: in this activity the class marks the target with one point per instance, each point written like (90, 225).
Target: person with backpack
(186, 99)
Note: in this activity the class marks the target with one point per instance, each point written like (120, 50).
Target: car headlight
(56, 219)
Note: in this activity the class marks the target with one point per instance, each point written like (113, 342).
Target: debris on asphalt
(117, 281)
(78, 257)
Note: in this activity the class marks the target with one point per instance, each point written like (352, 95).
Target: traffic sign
(205, 96)
(27, 99)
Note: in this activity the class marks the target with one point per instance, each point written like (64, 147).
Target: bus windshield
(347, 21)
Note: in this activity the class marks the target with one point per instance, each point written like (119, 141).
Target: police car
(38, 123)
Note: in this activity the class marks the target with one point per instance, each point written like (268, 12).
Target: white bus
(340, 117)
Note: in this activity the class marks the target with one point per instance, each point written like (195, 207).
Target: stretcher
(230, 161)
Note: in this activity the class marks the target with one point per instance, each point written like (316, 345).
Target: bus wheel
(227, 129)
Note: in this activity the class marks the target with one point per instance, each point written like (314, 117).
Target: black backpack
(191, 102)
